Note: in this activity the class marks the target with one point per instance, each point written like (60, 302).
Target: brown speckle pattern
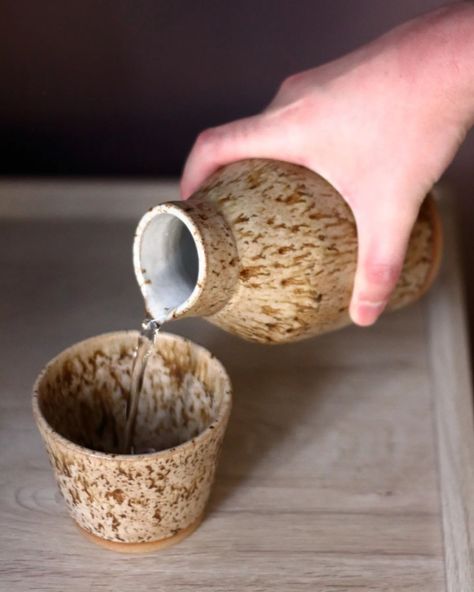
(79, 405)
(296, 244)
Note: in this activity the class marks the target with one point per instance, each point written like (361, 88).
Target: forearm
(434, 55)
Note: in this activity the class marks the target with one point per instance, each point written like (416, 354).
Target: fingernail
(367, 312)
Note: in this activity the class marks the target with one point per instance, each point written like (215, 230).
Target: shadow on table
(274, 390)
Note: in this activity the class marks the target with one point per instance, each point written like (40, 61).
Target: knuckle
(382, 275)
(207, 138)
(290, 82)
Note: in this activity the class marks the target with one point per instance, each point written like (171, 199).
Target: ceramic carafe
(266, 250)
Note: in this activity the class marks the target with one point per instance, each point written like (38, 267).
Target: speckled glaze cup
(139, 502)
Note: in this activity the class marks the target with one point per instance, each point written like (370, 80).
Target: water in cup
(149, 331)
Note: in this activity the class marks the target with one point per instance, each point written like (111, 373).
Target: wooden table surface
(348, 464)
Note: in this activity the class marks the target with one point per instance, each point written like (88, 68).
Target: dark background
(122, 87)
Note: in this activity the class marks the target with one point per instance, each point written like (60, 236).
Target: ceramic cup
(144, 501)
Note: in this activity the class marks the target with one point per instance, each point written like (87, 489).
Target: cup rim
(45, 427)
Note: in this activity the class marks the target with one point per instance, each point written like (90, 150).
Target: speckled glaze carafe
(266, 250)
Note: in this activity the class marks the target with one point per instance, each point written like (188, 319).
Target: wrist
(433, 56)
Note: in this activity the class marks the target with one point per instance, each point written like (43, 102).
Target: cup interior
(82, 394)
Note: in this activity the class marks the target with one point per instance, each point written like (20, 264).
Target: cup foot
(144, 547)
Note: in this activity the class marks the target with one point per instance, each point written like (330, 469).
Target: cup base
(145, 547)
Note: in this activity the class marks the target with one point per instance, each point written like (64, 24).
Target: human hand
(380, 124)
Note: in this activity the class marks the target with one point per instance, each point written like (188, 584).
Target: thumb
(383, 237)
(253, 137)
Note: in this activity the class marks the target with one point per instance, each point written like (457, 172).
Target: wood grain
(332, 476)
(451, 383)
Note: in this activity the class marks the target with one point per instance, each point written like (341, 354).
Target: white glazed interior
(167, 260)
(82, 393)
